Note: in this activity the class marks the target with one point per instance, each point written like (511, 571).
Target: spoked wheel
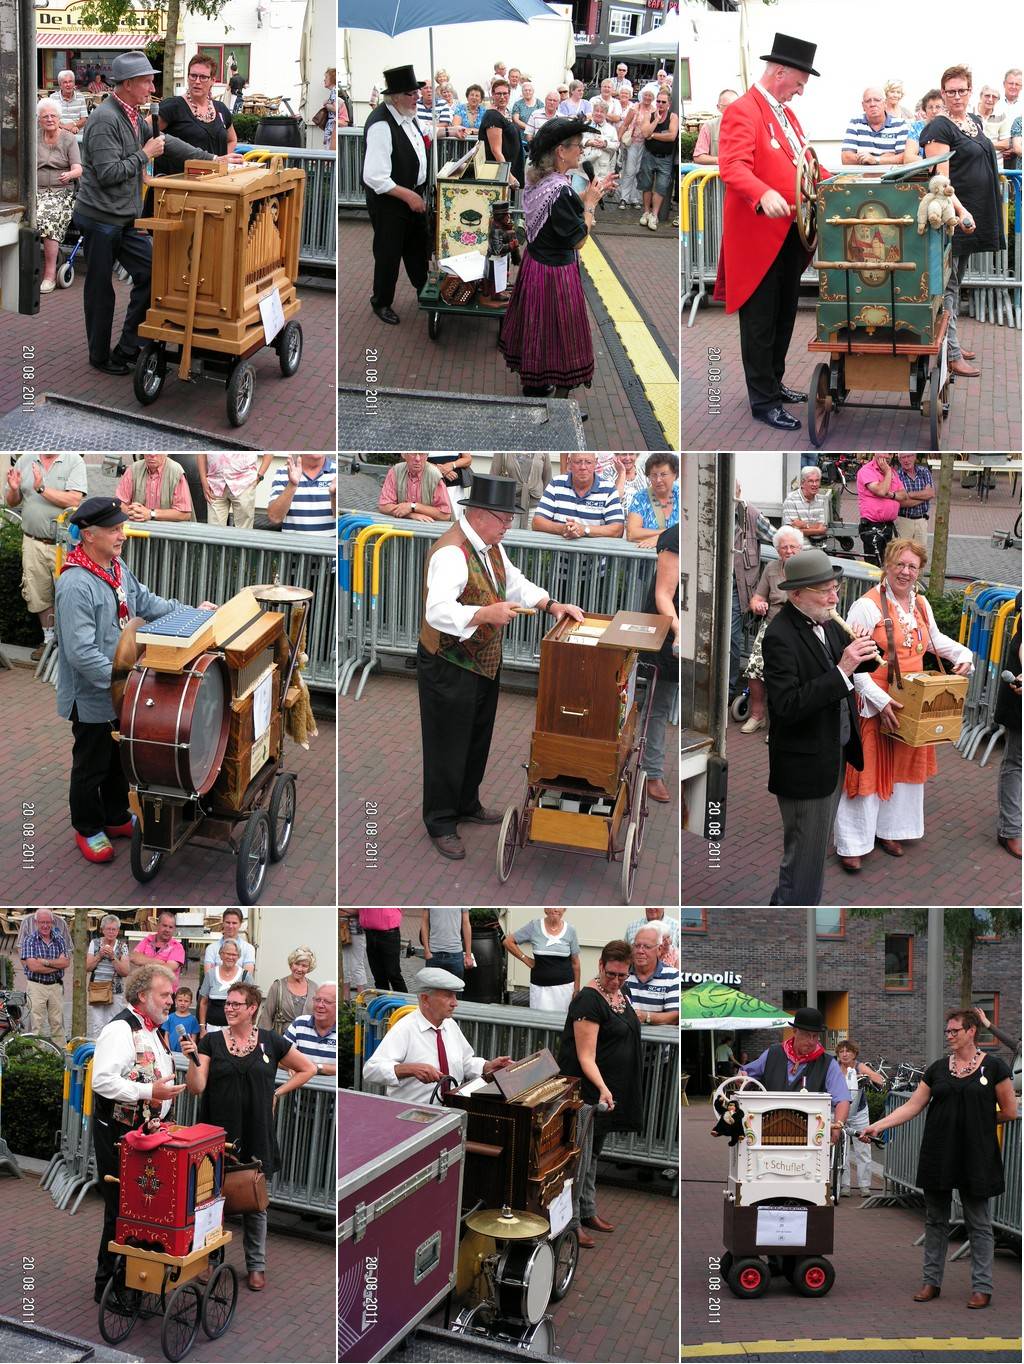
(219, 1299)
(145, 861)
(282, 816)
(640, 808)
(241, 387)
(253, 856)
(808, 178)
(508, 842)
(567, 1253)
(434, 325)
(819, 406)
(813, 1276)
(935, 411)
(150, 373)
(119, 1310)
(748, 1278)
(181, 1322)
(630, 862)
(289, 348)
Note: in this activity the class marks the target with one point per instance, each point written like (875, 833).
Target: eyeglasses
(616, 975)
(235, 1004)
(952, 1032)
(193, 77)
(957, 93)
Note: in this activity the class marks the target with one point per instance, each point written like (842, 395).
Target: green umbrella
(715, 1008)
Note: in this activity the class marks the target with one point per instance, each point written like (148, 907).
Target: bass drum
(524, 1280)
(174, 726)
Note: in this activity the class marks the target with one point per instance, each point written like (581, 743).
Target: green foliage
(948, 608)
(245, 126)
(876, 1105)
(33, 1083)
(346, 1044)
(379, 457)
(17, 624)
(482, 918)
(687, 142)
(110, 15)
(6, 973)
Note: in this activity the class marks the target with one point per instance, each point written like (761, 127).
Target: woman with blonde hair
(58, 168)
(292, 995)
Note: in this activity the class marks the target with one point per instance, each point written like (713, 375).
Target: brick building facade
(871, 979)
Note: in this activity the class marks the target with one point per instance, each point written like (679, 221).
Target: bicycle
(838, 1163)
(13, 1007)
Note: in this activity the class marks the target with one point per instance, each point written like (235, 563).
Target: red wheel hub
(751, 1277)
(815, 1277)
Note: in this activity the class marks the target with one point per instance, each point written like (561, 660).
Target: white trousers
(858, 1154)
(864, 818)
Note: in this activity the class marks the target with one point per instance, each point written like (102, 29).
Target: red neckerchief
(147, 1022)
(131, 111)
(113, 578)
(816, 1051)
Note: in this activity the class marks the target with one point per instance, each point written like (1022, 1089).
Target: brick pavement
(466, 359)
(36, 770)
(639, 259)
(957, 862)
(380, 761)
(984, 413)
(968, 515)
(294, 1317)
(878, 1269)
(293, 414)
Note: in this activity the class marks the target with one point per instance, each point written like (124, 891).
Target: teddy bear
(936, 207)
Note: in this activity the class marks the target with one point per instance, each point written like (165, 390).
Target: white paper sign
(560, 1210)
(944, 362)
(261, 702)
(209, 1220)
(468, 267)
(272, 314)
(781, 1226)
(500, 273)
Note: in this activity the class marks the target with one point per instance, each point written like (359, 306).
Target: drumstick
(834, 615)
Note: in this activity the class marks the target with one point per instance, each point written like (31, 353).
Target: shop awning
(723, 1008)
(81, 37)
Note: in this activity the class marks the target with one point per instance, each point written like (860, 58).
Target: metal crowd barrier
(318, 240)
(351, 149)
(507, 1030)
(987, 624)
(72, 1169)
(381, 576)
(992, 277)
(196, 562)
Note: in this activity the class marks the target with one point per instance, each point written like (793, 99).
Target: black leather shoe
(790, 395)
(483, 816)
(121, 356)
(110, 366)
(450, 846)
(387, 315)
(777, 417)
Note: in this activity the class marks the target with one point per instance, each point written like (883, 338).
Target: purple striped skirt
(545, 333)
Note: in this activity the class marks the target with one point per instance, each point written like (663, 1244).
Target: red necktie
(442, 1055)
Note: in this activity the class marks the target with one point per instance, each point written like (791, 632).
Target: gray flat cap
(809, 568)
(434, 978)
(127, 65)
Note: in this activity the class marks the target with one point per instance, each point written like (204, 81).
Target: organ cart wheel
(66, 276)
(813, 1276)
(119, 1309)
(808, 178)
(219, 1299)
(935, 407)
(289, 348)
(282, 815)
(508, 842)
(181, 1322)
(819, 405)
(253, 856)
(639, 810)
(630, 862)
(567, 1254)
(748, 1277)
(434, 324)
(145, 862)
(150, 373)
(241, 387)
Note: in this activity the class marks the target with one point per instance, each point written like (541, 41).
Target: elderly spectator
(630, 481)
(550, 949)
(74, 110)
(316, 1033)
(155, 488)
(532, 473)
(611, 101)
(621, 74)
(657, 507)
(500, 135)
(383, 929)
(601, 149)
(932, 105)
(750, 527)
(540, 116)
(415, 489)
(766, 601)
(525, 107)
(576, 505)
(663, 78)
(808, 508)
(229, 479)
(45, 952)
(97, 85)
(163, 946)
(231, 931)
(431, 109)
(43, 485)
(304, 494)
(1009, 111)
(216, 983)
(880, 495)
(638, 121)
(515, 85)
(466, 115)
(106, 963)
(58, 168)
(573, 105)
(988, 98)
(894, 106)
(653, 987)
(292, 995)
(705, 151)
(447, 938)
(874, 138)
(916, 477)
(670, 939)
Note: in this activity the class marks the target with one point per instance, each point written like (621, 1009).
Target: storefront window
(989, 1004)
(228, 59)
(899, 961)
(693, 920)
(830, 923)
(623, 23)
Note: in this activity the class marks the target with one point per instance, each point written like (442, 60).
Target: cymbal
(282, 592)
(126, 655)
(507, 1225)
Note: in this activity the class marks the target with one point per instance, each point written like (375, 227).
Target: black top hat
(808, 1020)
(401, 80)
(787, 51)
(492, 494)
(558, 130)
(98, 511)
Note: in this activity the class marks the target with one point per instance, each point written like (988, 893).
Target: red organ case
(161, 1188)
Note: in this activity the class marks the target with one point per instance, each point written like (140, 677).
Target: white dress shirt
(115, 1056)
(377, 165)
(413, 1040)
(447, 575)
(871, 698)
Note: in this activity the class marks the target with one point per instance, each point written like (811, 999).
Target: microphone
(1007, 676)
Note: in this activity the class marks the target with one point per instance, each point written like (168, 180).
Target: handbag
(101, 991)
(244, 1187)
(320, 118)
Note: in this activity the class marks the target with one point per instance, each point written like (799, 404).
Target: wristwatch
(586, 529)
(152, 513)
(551, 603)
(319, 1068)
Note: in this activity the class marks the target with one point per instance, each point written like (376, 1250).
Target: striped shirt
(302, 1033)
(916, 482)
(600, 504)
(73, 109)
(38, 948)
(441, 110)
(659, 993)
(861, 137)
(311, 503)
(797, 508)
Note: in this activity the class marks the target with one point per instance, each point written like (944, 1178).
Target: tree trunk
(940, 539)
(170, 42)
(79, 991)
(967, 968)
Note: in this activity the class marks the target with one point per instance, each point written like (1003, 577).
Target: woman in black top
(500, 136)
(967, 1095)
(196, 117)
(974, 172)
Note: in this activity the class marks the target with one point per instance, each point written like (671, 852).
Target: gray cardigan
(87, 635)
(110, 189)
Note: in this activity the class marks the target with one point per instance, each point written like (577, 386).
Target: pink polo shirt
(872, 507)
(172, 956)
(380, 918)
(389, 492)
(181, 499)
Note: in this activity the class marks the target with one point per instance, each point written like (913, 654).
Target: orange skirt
(886, 762)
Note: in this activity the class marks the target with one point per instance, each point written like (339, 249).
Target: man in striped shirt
(304, 494)
(876, 139)
(576, 505)
(316, 1034)
(653, 987)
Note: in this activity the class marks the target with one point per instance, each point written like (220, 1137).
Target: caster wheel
(739, 707)
(433, 325)
(150, 373)
(748, 1277)
(813, 1277)
(289, 348)
(66, 276)
(241, 387)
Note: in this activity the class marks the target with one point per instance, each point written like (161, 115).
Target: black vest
(103, 1107)
(404, 165)
(776, 1072)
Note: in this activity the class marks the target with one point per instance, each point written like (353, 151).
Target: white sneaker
(643, 219)
(652, 222)
(47, 286)
(755, 723)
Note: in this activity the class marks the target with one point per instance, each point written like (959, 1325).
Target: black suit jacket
(805, 692)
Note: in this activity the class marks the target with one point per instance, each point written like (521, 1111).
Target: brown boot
(977, 1300)
(965, 370)
(587, 1242)
(890, 846)
(850, 864)
(927, 1293)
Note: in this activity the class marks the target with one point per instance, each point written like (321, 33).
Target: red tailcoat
(749, 165)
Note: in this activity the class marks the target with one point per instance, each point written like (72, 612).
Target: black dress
(511, 142)
(239, 1094)
(618, 1057)
(959, 1149)
(974, 172)
(182, 122)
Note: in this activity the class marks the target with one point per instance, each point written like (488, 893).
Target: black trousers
(457, 710)
(106, 244)
(766, 324)
(875, 536)
(400, 237)
(98, 794)
(106, 1134)
(384, 956)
